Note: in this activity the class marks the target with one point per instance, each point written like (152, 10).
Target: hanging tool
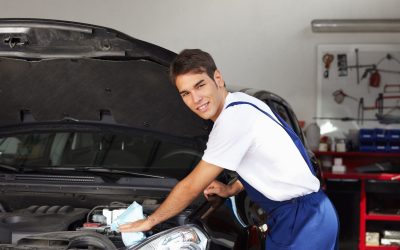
(375, 79)
(342, 64)
(360, 111)
(357, 67)
(327, 59)
(339, 96)
(391, 88)
(389, 57)
(372, 69)
(386, 118)
(380, 105)
(389, 71)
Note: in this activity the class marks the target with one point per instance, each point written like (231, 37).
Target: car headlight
(187, 237)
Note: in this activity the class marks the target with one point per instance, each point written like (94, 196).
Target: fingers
(128, 227)
(208, 194)
(137, 226)
(216, 188)
(212, 189)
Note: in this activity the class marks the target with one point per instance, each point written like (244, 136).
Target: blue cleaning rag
(133, 213)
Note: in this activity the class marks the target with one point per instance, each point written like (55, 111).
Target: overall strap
(296, 140)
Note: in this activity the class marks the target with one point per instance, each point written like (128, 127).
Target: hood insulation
(137, 93)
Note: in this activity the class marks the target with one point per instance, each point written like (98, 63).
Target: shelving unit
(356, 159)
(383, 217)
(382, 247)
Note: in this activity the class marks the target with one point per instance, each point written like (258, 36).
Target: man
(249, 139)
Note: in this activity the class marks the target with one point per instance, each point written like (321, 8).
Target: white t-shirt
(245, 140)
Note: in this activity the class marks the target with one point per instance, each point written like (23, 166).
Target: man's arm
(179, 198)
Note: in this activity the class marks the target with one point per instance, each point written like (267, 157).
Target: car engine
(66, 227)
(26, 221)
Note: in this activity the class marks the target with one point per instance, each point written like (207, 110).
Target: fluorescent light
(13, 30)
(355, 25)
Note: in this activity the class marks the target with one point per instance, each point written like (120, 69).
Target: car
(89, 124)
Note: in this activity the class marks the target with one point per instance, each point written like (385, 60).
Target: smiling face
(203, 95)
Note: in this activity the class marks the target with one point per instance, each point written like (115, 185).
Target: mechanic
(272, 164)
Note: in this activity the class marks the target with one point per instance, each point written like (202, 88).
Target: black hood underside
(137, 93)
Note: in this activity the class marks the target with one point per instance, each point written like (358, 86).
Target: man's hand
(220, 189)
(137, 226)
(217, 188)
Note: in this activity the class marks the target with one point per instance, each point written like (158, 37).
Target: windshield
(142, 154)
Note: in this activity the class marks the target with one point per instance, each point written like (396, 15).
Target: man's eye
(184, 94)
(200, 85)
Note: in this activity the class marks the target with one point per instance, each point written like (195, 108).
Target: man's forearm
(179, 198)
(185, 192)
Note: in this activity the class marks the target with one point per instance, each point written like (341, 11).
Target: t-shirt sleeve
(230, 139)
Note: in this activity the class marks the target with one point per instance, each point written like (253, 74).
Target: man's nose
(196, 97)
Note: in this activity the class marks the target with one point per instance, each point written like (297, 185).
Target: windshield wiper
(117, 171)
(8, 167)
(100, 170)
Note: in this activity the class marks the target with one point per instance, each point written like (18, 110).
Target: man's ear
(218, 79)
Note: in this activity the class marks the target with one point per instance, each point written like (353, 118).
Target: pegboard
(358, 87)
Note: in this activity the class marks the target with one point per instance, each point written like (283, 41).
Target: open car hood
(54, 71)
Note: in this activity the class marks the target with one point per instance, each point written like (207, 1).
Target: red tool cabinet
(367, 181)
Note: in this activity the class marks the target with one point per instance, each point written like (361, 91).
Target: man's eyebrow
(197, 84)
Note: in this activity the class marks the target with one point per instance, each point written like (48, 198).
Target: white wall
(264, 44)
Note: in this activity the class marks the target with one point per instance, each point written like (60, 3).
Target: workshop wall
(266, 44)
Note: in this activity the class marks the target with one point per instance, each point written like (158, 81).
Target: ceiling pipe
(355, 25)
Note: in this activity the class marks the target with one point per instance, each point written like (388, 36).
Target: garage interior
(337, 63)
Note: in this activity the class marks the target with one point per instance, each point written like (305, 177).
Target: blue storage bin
(381, 147)
(393, 135)
(394, 146)
(367, 146)
(366, 135)
(379, 134)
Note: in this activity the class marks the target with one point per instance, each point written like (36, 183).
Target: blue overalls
(308, 222)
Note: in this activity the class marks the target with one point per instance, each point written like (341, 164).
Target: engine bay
(30, 224)
(50, 226)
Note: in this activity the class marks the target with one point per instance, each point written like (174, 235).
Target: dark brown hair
(193, 61)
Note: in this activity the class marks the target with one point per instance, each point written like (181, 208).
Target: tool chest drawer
(379, 186)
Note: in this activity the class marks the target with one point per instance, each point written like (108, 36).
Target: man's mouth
(202, 107)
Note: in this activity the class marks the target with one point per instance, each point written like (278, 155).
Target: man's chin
(204, 116)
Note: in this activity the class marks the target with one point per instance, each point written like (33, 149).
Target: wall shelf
(357, 159)
(352, 160)
(382, 247)
(383, 217)
(358, 154)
